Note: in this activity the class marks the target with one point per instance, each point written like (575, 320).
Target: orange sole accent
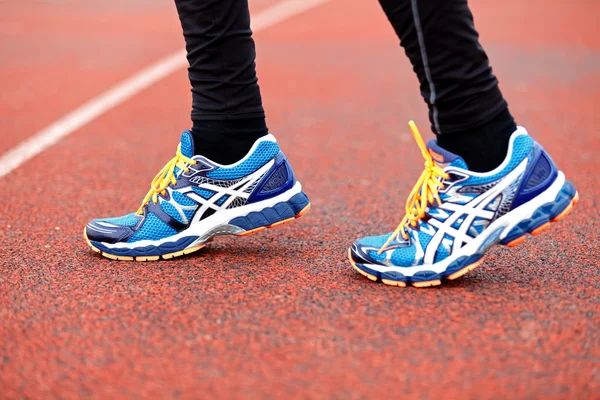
(182, 252)
(119, 258)
(250, 232)
(360, 271)
(427, 283)
(466, 269)
(516, 241)
(393, 283)
(303, 211)
(541, 228)
(149, 258)
(285, 221)
(563, 214)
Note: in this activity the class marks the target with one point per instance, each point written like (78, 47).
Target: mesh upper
(186, 144)
(152, 229)
(441, 254)
(424, 238)
(404, 256)
(204, 193)
(171, 210)
(263, 153)
(126, 220)
(374, 241)
(182, 199)
(474, 185)
(186, 147)
(222, 199)
(189, 213)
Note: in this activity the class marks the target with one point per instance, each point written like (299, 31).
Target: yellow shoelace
(424, 193)
(165, 177)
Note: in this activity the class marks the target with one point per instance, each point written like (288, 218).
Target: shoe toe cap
(102, 231)
(365, 250)
(396, 254)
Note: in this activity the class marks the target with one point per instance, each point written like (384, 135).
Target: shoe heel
(273, 216)
(542, 218)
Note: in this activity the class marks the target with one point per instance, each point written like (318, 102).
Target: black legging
(221, 54)
(440, 40)
(438, 36)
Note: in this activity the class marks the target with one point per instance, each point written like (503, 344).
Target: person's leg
(466, 108)
(485, 181)
(228, 176)
(226, 101)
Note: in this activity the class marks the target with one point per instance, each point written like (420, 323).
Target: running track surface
(281, 314)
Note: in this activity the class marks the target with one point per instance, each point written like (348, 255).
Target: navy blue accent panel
(245, 223)
(278, 178)
(298, 202)
(108, 235)
(157, 210)
(357, 257)
(257, 219)
(423, 276)
(540, 174)
(150, 250)
(260, 193)
(270, 215)
(391, 275)
(543, 214)
(284, 210)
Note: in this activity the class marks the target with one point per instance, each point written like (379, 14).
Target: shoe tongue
(187, 147)
(443, 157)
(187, 144)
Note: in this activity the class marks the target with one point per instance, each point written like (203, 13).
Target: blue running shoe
(193, 199)
(453, 215)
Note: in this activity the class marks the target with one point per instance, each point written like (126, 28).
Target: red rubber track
(282, 313)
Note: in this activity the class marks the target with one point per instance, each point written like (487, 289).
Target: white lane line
(124, 90)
